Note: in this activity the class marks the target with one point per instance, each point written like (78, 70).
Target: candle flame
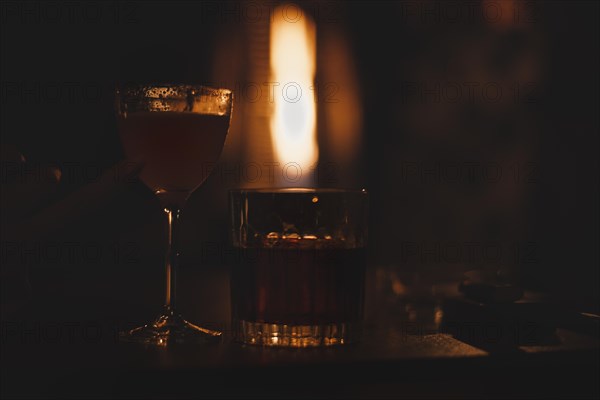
(293, 121)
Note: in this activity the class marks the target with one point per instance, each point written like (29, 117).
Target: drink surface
(177, 148)
(299, 285)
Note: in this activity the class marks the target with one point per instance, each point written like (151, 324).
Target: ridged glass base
(282, 335)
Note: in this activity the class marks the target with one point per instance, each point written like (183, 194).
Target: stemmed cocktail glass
(176, 131)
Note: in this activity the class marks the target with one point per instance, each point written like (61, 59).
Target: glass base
(168, 329)
(282, 335)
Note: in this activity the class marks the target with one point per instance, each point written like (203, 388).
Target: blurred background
(473, 125)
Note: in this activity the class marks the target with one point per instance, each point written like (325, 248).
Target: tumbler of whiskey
(298, 275)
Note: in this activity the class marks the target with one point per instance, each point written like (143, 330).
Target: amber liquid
(305, 286)
(177, 148)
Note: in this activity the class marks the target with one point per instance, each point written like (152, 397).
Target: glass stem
(172, 258)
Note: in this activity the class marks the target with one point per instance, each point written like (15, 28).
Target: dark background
(475, 179)
(60, 66)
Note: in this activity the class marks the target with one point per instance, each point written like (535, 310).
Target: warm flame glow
(293, 121)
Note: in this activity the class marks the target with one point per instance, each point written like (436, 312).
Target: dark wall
(432, 159)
